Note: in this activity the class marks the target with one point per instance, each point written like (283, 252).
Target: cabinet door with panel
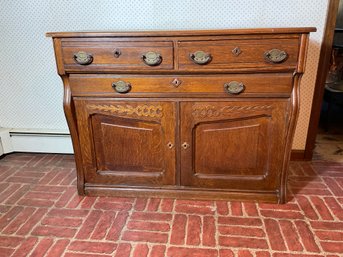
(233, 145)
(127, 142)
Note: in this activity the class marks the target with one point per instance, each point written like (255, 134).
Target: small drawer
(237, 85)
(117, 55)
(238, 54)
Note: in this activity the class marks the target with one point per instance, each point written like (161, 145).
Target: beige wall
(31, 91)
(308, 81)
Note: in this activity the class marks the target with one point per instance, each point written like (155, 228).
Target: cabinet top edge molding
(172, 33)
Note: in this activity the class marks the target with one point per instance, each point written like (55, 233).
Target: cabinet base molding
(270, 197)
(298, 155)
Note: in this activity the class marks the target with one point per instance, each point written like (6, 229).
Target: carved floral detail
(154, 111)
(202, 111)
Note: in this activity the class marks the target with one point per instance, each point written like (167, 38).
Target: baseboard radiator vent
(36, 141)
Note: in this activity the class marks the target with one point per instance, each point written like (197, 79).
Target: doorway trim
(323, 67)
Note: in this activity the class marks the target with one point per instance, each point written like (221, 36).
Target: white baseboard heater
(36, 141)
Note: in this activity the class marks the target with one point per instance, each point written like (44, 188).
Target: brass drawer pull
(152, 58)
(117, 53)
(121, 87)
(83, 58)
(185, 145)
(234, 87)
(200, 57)
(275, 56)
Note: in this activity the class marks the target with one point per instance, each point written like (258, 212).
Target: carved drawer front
(116, 55)
(127, 142)
(235, 54)
(233, 145)
(240, 85)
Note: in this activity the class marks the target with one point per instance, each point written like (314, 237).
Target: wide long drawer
(236, 85)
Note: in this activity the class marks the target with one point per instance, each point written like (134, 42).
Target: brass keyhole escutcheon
(176, 82)
(185, 145)
(170, 145)
(117, 53)
(236, 51)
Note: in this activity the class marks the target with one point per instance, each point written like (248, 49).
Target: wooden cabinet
(189, 114)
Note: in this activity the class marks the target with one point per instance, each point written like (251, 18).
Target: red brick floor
(41, 215)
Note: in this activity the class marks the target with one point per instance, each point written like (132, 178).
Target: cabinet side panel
(59, 56)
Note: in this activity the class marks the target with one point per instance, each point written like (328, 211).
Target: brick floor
(41, 215)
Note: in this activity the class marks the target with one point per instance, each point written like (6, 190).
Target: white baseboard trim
(5, 141)
(36, 141)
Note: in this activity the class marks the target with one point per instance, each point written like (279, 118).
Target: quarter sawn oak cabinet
(191, 114)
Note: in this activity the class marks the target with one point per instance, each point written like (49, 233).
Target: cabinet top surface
(166, 33)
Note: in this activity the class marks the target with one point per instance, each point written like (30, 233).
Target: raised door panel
(233, 145)
(127, 143)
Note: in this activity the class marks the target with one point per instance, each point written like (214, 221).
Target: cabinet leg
(282, 199)
(81, 190)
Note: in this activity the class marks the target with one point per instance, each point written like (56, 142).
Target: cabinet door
(233, 145)
(127, 142)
